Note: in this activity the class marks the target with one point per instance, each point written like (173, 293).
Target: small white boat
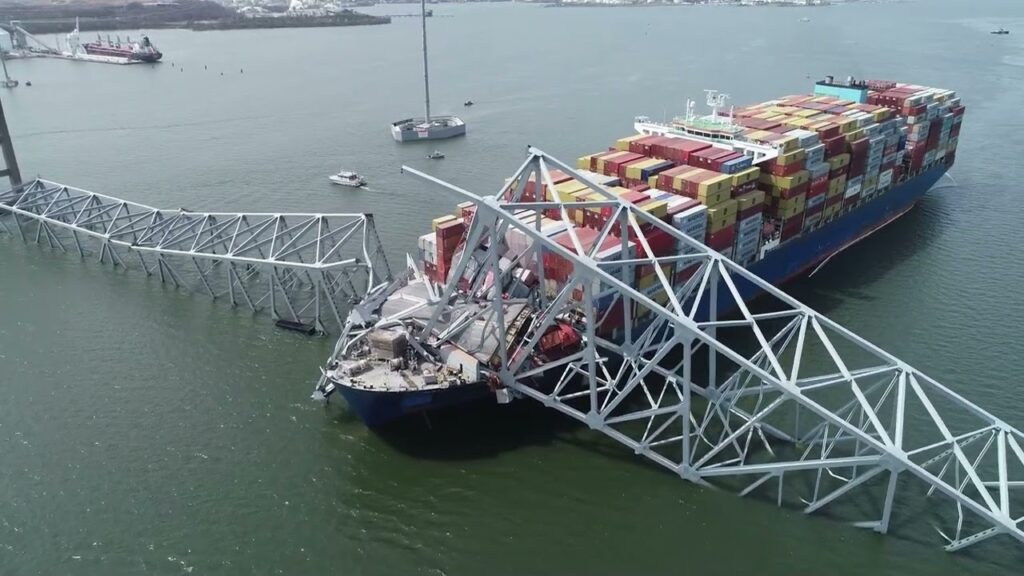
(346, 178)
(435, 155)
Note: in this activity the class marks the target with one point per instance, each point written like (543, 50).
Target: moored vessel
(429, 127)
(778, 187)
(141, 51)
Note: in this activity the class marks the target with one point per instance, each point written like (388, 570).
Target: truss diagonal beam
(784, 393)
(295, 258)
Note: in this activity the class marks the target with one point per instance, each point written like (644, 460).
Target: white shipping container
(852, 189)
(885, 179)
(929, 157)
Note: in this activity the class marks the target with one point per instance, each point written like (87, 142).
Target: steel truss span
(305, 268)
(779, 401)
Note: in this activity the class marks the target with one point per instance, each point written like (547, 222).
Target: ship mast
(426, 73)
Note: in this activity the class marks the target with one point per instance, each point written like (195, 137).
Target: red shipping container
(856, 167)
(712, 158)
(722, 239)
(682, 276)
(665, 178)
(598, 156)
(792, 227)
(777, 169)
(835, 145)
(530, 192)
(661, 242)
(787, 193)
(752, 211)
(851, 201)
(828, 131)
(678, 150)
(558, 268)
(643, 145)
(817, 188)
(639, 187)
(815, 210)
(615, 166)
(838, 199)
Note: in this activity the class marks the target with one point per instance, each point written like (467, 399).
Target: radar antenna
(716, 101)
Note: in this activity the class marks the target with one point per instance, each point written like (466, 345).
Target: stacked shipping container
(831, 155)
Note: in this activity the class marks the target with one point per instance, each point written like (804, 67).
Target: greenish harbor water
(145, 430)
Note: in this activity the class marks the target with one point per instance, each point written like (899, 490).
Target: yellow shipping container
(786, 182)
(748, 175)
(658, 209)
(565, 190)
(647, 280)
(789, 211)
(623, 143)
(869, 182)
(633, 171)
(460, 207)
(723, 209)
(715, 185)
(714, 198)
(765, 115)
(806, 113)
(583, 162)
(442, 220)
(846, 124)
(618, 190)
(721, 216)
(855, 135)
(788, 158)
(749, 200)
(788, 144)
(797, 201)
(838, 161)
(881, 115)
(837, 186)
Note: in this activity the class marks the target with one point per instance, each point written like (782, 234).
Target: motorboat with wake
(347, 178)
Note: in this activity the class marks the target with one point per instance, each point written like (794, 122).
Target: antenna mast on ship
(426, 73)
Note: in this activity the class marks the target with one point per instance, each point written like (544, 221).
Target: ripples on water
(147, 430)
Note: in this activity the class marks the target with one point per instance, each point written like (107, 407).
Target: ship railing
(776, 401)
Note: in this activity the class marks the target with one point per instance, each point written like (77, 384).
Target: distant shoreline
(643, 4)
(195, 15)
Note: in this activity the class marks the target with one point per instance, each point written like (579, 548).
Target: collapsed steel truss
(784, 402)
(305, 268)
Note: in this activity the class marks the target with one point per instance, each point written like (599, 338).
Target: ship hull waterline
(786, 263)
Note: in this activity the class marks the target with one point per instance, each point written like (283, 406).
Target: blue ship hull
(785, 263)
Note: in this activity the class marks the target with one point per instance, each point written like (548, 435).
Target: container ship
(141, 51)
(778, 187)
